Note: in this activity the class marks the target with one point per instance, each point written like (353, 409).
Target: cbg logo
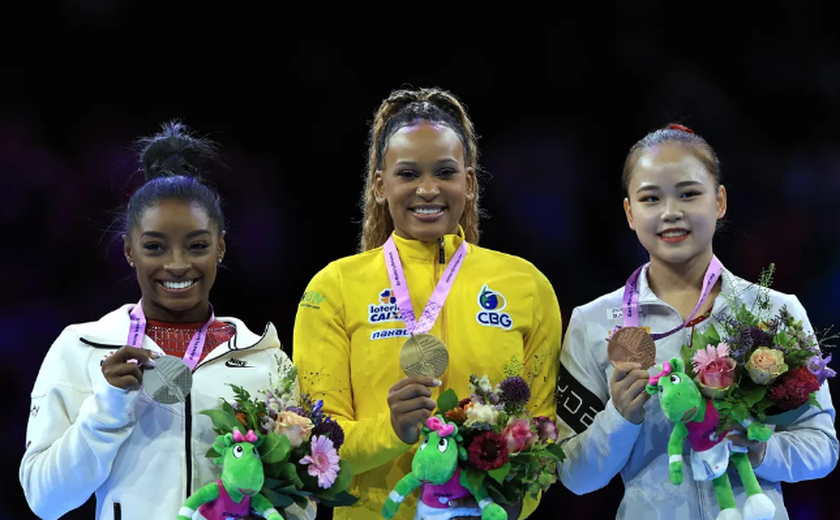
(492, 304)
(386, 309)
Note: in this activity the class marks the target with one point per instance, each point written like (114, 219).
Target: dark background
(289, 96)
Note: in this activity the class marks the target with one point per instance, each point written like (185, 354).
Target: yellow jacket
(347, 340)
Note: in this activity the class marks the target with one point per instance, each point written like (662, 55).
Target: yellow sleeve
(542, 355)
(321, 351)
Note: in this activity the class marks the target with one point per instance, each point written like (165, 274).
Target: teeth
(428, 211)
(675, 233)
(179, 285)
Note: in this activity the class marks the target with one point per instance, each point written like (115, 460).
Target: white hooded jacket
(141, 458)
(600, 443)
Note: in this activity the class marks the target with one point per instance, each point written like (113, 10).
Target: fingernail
(437, 382)
(151, 364)
(155, 354)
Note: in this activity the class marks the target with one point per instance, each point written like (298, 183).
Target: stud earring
(131, 263)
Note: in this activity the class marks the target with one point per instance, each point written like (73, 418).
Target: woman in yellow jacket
(500, 313)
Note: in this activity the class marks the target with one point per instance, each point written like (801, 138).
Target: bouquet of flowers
(300, 450)
(510, 451)
(763, 367)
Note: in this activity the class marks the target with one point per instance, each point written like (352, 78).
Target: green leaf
(812, 400)
(288, 471)
(222, 420)
(557, 451)
(301, 502)
(212, 453)
(275, 448)
(752, 395)
(448, 400)
(498, 496)
(500, 473)
(278, 500)
(339, 500)
(475, 478)
(228, 409)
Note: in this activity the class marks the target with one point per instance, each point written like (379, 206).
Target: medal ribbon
(630, 303)
(400, 288)
(194, 349)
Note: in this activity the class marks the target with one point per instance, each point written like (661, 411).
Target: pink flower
(296, 428)
(546, 429)
(715, 369)
(323, 461)
(710, 354)
(518, 435)
(720, 373)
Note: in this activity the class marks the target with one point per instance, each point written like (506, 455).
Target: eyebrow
(404, 162)
(683, 184)
(158, 234)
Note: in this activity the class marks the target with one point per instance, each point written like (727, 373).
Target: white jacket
(600, 443)
(141, 458)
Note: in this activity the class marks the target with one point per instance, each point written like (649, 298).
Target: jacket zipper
(437, 275)
(117, 511)
(188, 443)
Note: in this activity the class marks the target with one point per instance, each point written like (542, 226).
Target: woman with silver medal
(674, 201)
(380, 334)
(119, 398)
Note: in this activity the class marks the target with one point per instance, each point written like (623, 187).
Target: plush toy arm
(265, 508)
(756, 431)
(489, 509)
(675, 449)
(206, 494)
(406, 485)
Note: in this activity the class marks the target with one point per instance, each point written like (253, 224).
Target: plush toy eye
(443, 444)
(238, 451)
(661, 390)
(256, 453)
(424, 443)
(675, 379)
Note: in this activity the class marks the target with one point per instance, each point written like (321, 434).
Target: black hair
(169, 161)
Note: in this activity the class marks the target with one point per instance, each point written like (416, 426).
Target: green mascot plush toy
(236, 493)
(696, 421)
(435, 468)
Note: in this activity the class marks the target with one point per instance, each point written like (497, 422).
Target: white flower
(481, 414)
(483, 387)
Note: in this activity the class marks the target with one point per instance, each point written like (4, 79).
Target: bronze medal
(424, 355)
(632, 344)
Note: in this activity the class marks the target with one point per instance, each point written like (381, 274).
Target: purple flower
(331, 429)
(515, 391)
(819, 367)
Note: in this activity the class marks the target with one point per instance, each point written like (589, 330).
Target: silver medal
(169, 382)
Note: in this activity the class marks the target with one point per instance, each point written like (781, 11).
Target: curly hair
(403, 108)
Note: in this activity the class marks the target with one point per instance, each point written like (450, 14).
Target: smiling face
(674, 204)
(174, 249)
(424, 181)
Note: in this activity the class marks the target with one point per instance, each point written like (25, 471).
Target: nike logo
(237, 363)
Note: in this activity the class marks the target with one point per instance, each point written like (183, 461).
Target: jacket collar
(731, 285)
(417, 250)
(112, 329)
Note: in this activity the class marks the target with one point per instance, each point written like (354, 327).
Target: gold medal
(632, 344)
(424, 355)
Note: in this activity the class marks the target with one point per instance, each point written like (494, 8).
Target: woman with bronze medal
(674, 201)
(116, 403)
(380, 334)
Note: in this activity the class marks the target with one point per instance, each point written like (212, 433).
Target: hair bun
(681, 128)
(174, 151)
